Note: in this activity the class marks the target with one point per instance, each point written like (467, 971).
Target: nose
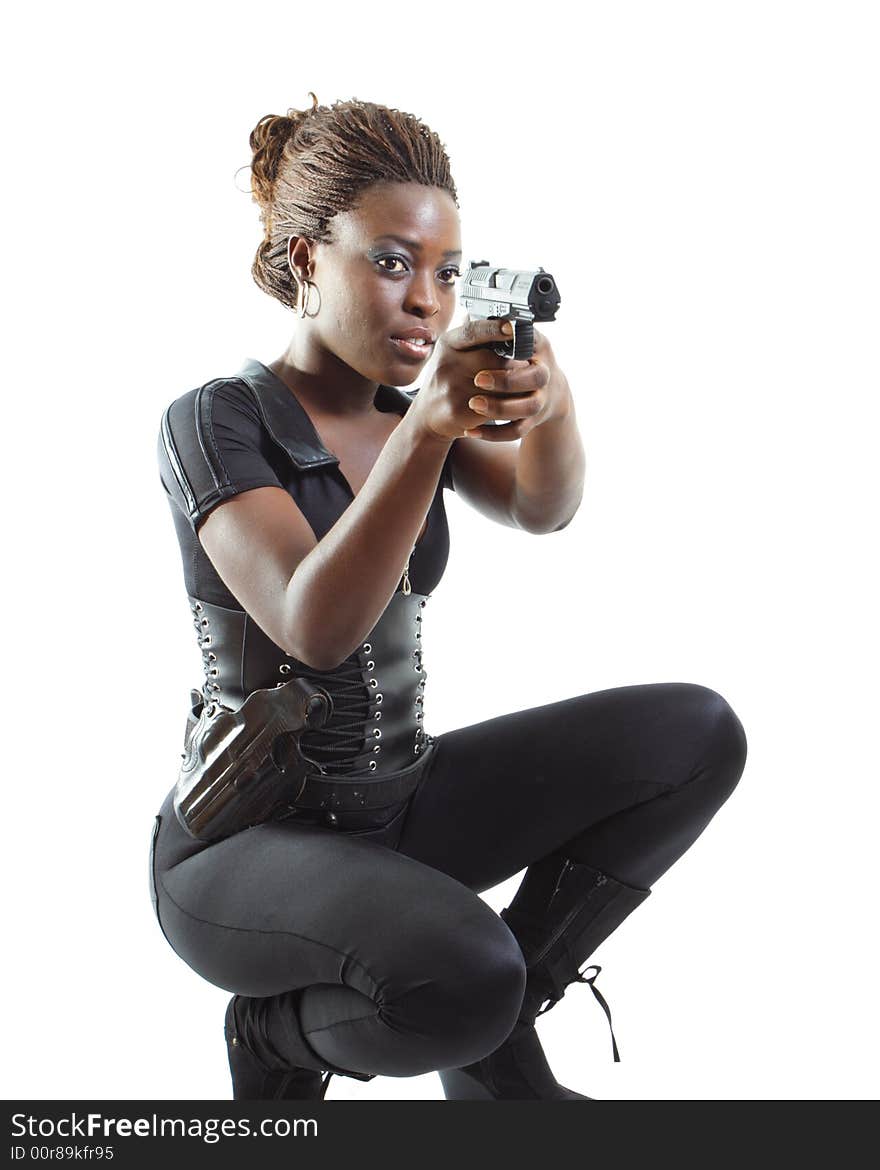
(421, 295)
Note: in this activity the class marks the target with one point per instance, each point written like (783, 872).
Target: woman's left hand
(550, 398)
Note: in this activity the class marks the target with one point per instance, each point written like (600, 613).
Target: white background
(702, 179)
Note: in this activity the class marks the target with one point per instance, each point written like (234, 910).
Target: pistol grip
(522, 345)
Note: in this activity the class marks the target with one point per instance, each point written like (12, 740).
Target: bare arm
(550, 470)
(537, 486)
(319, 599)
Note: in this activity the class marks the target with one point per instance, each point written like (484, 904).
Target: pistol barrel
(529, 294)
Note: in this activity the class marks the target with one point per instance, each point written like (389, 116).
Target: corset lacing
(345, 728)
(209, 658)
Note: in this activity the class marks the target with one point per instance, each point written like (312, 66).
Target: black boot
(258, 1073)
(561, 912)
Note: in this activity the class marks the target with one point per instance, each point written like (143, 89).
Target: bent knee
(468, 1004)
(726, 746)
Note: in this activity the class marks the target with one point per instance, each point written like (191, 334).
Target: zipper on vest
(407, 588)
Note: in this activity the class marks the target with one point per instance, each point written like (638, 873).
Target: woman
(308, 500)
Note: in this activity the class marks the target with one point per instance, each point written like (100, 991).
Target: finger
(490, 362)
(504, 433)
(533, 375)
(476, 332)
(520, 406)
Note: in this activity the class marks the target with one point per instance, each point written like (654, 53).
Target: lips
(416, 343)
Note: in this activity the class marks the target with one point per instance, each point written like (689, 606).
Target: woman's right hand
(441, 406)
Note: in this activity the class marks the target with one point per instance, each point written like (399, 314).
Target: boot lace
(582, 977)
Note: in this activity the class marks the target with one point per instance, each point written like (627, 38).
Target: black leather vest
(376, 724)
(378, 692)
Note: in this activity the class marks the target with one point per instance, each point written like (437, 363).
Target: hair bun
(267, 141)
(311, 165)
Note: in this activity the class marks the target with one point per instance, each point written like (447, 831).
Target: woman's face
(388, 269)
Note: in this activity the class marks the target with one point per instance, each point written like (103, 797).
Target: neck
(321, 381)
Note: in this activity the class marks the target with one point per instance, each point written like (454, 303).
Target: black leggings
(378, 941)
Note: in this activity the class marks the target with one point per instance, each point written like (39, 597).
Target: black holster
(243, 767)
(231, 776)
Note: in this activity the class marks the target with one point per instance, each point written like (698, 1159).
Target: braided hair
(309, 165)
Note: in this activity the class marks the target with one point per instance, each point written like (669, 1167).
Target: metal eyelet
(377, 733)
(284, 668)
(198, 607)
(374, 682)
(422, 603)
(371, 665)
(378, 698)
(214, 671)
(417, 748)
(420, 714)
(212, 657)
(377, 748)
(204, 622)
(377, 714)
(206, 641)
(373, 765)
(367, 647)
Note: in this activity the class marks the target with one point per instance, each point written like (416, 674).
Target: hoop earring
(304, 298)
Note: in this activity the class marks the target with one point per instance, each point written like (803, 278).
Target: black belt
(349, 793)
(238, 772)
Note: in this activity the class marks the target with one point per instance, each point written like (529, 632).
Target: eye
(452, 274)
(383, 260)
